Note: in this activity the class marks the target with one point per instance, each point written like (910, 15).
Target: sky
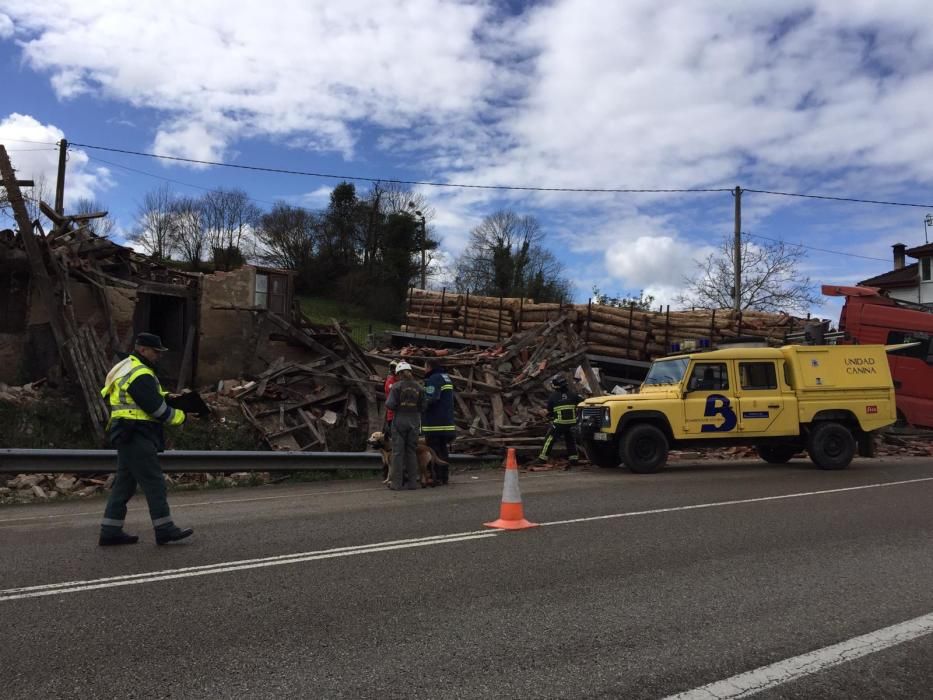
(812, 97)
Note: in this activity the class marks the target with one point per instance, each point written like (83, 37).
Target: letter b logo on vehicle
(718, 405)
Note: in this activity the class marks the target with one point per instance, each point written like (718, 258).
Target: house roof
(905, 277)
(920, 251)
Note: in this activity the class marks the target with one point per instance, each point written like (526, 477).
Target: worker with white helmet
(406, 399)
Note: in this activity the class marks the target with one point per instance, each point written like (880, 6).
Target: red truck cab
(868, 318)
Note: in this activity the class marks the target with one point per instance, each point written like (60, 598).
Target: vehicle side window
(918, 351)
(709, 376)
(757, 375)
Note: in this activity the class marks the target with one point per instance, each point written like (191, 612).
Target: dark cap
(150, 340)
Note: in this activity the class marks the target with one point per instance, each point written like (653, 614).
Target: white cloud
(31, 146)
(804, 95)
(317, 198)
(245, 69)
(6, 26)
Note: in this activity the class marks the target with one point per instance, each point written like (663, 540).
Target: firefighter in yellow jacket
(138, 411)
(562, 410)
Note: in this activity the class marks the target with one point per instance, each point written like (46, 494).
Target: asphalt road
(703, 573)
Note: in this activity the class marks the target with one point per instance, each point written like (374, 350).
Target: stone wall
(226, 337)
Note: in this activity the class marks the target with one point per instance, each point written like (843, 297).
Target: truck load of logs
(627, 333)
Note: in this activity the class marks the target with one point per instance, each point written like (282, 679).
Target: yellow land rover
(826, 400)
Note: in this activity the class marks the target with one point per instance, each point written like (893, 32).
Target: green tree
(643, 302)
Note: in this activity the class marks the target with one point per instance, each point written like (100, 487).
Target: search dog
(427, 458)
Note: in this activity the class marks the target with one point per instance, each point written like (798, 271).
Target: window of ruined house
(271, 292)
(262, 291)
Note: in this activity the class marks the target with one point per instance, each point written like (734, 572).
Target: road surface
(709, 579)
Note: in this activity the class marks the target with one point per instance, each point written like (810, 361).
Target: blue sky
(800, 96)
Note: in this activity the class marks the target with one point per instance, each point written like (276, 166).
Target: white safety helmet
(402, 366)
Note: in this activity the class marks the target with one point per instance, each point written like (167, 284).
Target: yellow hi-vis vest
(122, 405)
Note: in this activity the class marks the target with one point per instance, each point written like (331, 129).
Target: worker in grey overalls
(406, 399)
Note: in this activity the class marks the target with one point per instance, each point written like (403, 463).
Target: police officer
(438, 421)
(562, 410)
(137, 413)
(406, 399)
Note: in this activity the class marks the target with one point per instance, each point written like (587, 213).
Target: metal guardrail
(17, 461)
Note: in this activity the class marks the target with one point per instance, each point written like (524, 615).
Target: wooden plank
(498, 410)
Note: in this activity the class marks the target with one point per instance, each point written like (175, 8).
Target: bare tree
(102, 226)
(190, 234)
(286, 237)
(155, 226)
(771, 278)
(229, 217)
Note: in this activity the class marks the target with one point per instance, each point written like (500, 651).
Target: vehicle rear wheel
(603, 454)
(644, 448)
(777, 454)
(831, 445)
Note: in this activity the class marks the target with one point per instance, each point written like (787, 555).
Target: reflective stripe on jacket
(122, 404)
(562, 406)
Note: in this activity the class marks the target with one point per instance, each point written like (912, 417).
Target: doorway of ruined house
(172, 317)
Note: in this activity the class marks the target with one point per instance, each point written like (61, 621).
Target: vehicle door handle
(774, 405)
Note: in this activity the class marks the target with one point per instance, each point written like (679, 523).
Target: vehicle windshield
(667, 371)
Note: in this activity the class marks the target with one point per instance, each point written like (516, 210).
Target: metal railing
(22, 461)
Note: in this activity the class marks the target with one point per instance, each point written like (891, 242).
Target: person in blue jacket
(437, 421)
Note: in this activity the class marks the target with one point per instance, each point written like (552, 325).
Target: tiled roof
(920, 251)
(905, 277)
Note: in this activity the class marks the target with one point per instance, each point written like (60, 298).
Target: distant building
(913, 282)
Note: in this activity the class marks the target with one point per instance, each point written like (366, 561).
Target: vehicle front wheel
(831, 445)
(777, 454)
(603, 454)
(644, 448)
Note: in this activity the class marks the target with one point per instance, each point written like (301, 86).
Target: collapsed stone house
(209, 322)
(72, 300)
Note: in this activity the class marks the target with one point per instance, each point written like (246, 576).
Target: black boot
(110, 537)
(171, 533)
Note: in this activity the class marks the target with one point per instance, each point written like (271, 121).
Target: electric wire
(424, 183)
(810, 247)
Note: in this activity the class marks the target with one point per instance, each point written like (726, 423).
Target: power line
(840, 199)
(304, 173)
(40, 143)
(185, 184)
(524, 188)
(810, 247)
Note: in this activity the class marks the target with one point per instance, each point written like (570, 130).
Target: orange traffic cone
(511, 515)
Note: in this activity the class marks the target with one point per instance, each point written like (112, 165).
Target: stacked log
(625, 333)
(461, 315)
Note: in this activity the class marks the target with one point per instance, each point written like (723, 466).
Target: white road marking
(766, 677)
(224, 567)
(720, 504)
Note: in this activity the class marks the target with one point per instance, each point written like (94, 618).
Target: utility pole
(60, 182)
(737, 293)
(424, 264)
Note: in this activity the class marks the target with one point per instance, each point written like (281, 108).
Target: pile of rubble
(31, 488)
(501, 392)
(905, 443)
(20, 395)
